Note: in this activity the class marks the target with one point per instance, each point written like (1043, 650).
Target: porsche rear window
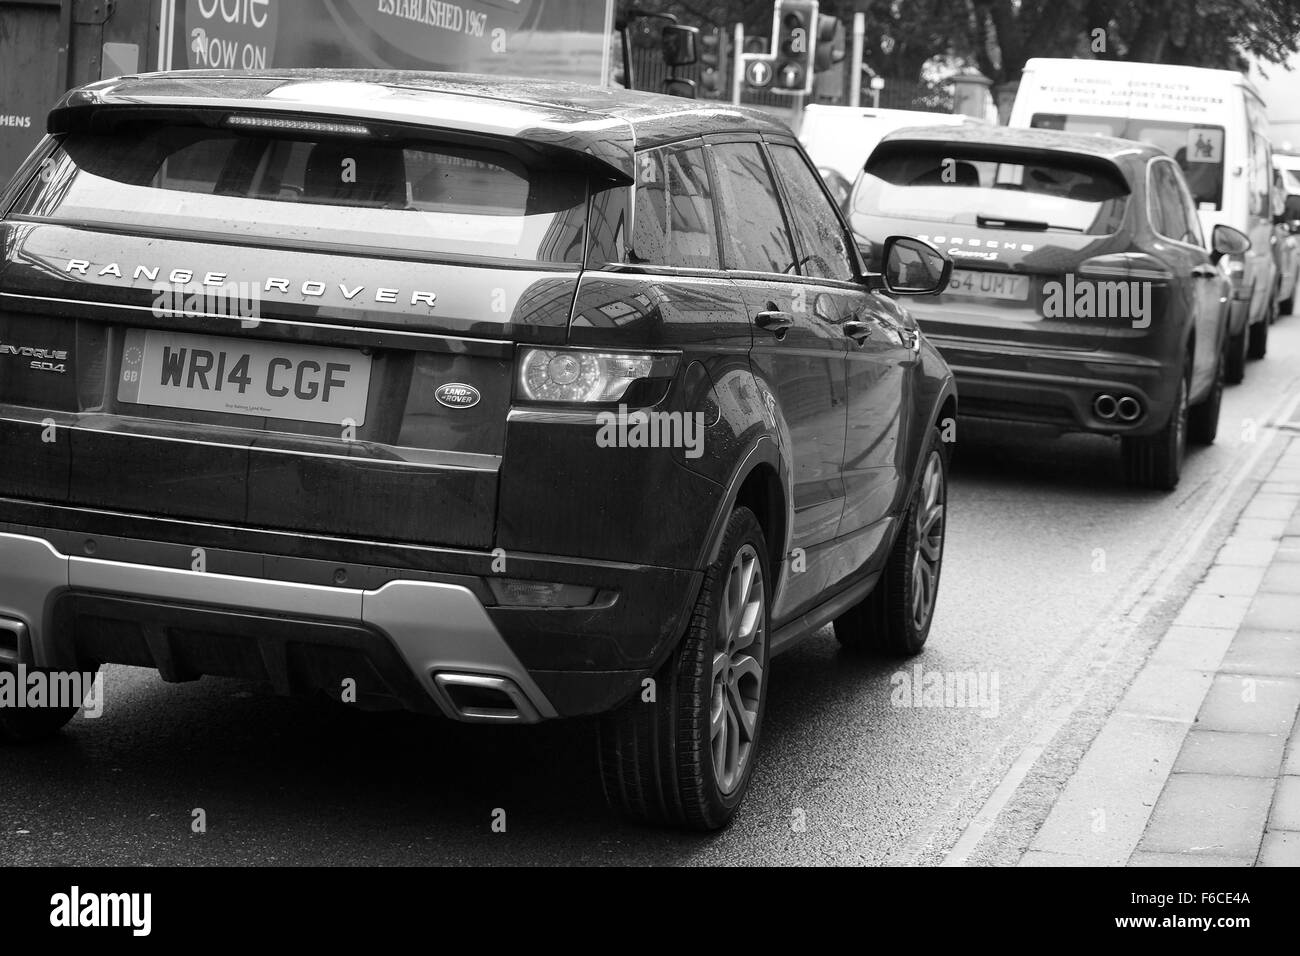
(987, 187)
(421, 198)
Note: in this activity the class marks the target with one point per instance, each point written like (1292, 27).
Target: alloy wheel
(931, 506)
(738, 661)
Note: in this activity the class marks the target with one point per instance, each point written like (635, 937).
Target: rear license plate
(305, 383)
(989, 285)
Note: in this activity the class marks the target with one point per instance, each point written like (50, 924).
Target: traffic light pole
(737, 63)
(855, 60)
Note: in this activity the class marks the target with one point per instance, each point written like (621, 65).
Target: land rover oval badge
(457, 395)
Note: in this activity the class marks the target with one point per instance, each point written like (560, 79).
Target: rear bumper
(1057, 388)
(422, 645)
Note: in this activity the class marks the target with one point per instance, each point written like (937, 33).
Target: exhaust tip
(1129, 409)
(1105, 407)
(12, 635)
(479, 698)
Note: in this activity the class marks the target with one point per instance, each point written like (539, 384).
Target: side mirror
(681, 45)
(913, 267)
(1226, 241)
(680, 86)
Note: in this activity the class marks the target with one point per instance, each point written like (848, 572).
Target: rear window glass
(1196, 147)
(988, 188)
(421, 198)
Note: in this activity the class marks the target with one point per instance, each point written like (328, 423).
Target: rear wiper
(1025, 225)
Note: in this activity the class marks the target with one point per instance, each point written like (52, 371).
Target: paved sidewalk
(1199, 765)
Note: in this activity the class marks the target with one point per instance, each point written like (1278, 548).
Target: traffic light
(795, 29)
(711, 63)
(831, 40)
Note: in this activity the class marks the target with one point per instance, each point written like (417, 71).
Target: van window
(674, 221)
(421, 198)
(988, 186)
(1196, 147)
(1261, 162)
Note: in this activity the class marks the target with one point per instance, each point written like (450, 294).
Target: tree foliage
(998, 36)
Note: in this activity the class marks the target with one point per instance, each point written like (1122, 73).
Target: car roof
(605, 124)
(1122, 152)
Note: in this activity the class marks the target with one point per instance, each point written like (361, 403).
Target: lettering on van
(305, 289)
(13, 119)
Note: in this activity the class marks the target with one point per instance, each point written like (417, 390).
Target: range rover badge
(457, 395)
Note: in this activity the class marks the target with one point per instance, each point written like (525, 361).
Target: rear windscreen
(419, 198)
(1196, 147)
(987, 188)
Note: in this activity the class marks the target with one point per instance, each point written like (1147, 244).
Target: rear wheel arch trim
(763, 454)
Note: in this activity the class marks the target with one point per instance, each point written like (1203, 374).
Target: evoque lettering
(43, 360)
(308, 288)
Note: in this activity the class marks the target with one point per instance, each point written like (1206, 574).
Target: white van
(1213, 123)
(840, 138)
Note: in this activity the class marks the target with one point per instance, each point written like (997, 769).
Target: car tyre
(1203, 419)
(683, 755)
(24, 725)
(1259, 335)
(1235, 372)
(894, 620)
(1156, 461)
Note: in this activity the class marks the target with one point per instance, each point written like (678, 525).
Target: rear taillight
(584, 377)
(1134, 266)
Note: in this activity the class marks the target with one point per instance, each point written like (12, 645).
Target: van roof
(1132, 68)
(606, 125)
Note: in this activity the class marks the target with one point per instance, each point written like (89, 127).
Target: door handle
(857, 331)
(774, 321)
(1205, 272)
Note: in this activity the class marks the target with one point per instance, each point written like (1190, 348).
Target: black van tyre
(1259, 335)
(685, 759)
(1156, 461)
(29, 725)
(895, 619)
(1203, 419)
(1235, 372)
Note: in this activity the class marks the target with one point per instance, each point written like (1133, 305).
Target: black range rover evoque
(504, 400)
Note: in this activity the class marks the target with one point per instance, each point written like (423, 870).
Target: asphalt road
(844, 775)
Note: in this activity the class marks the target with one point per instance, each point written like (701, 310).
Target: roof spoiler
(604, 145)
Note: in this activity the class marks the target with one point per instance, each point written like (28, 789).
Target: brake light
(281, 124)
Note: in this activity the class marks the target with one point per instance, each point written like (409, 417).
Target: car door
(798, 356)
(1196, 280)
(877, 359)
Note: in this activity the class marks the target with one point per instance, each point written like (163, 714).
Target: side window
(1190, 216)
(818, 228)
(756, 238)
(1169, 211)
(674, 224)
